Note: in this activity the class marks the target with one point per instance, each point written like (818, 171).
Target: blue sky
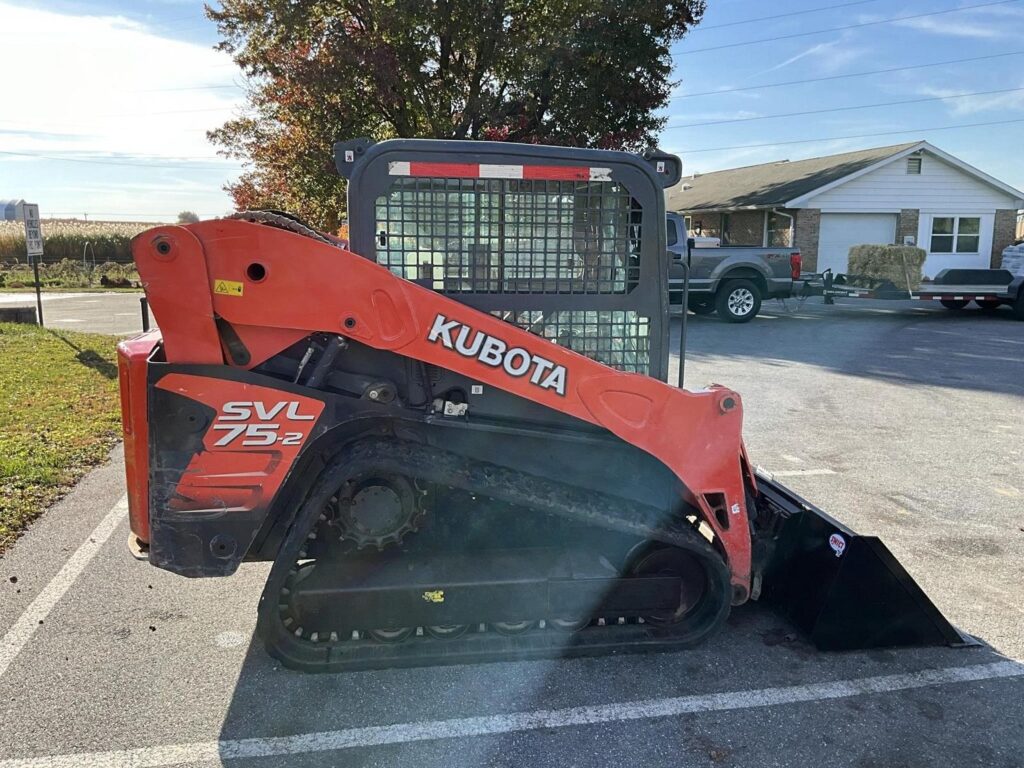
(109, 111)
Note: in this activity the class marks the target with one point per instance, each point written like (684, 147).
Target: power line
(841, 77)
(855, 136)
(838, 29)
(702, 27)
(845, 109)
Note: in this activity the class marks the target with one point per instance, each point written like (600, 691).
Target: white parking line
(430, 730)
(27, 624)
(801, 472)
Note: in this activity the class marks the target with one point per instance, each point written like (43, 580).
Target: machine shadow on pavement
(756, 650)
(927, 348)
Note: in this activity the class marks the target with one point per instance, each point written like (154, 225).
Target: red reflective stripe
(445, 170)
(556, 172)
(472, 171)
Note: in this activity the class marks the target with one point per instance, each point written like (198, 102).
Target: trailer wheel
(954, 303)
(738, 301)
(988, 304)
(1018, 306)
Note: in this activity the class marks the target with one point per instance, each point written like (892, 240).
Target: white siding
(940, 187)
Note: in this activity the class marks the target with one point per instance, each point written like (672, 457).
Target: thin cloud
(91, 73)
(943, 27)
(704, 117)
(90, 96)
(829, 56)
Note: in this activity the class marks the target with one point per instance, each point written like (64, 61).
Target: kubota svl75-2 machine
(453, 435)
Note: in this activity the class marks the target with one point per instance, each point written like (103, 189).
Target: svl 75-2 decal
(260, 424)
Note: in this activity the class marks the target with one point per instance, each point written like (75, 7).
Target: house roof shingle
(771, 184)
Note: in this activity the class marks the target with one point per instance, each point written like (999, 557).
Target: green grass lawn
(59, 416)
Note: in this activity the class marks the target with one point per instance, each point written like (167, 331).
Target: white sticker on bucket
(838, 544)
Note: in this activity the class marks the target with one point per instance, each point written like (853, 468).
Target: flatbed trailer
(953, 288)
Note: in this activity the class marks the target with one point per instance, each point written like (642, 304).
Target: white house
(907, 193)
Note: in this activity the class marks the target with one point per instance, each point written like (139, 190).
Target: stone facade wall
(742, 227)
(906, 225)
(1002, 234)
(808, 229)
(746, 228)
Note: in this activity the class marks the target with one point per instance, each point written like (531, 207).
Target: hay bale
(892, 263)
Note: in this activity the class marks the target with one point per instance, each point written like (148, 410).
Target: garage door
(841, 230)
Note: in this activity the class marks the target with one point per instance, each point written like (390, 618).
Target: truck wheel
(738, 301)
(702, 306)
(953, 303)
(988, 304)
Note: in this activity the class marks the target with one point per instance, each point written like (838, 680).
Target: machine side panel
(696, 434)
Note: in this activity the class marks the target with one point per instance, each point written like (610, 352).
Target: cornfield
(88, 242)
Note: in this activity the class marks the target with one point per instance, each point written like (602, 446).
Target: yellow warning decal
(227, 287)
(434, 596)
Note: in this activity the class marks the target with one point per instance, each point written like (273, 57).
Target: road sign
(33, 232)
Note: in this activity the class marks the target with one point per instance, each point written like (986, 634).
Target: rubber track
(546, 496)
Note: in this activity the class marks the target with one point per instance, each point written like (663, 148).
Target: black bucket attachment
(843, 590)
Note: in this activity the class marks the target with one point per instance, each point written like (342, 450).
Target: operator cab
(566, 243)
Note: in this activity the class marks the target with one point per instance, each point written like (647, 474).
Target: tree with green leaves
(585, 73)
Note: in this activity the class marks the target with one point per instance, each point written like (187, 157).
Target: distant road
(113, 313)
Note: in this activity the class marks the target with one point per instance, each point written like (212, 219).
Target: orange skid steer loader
(453, 435)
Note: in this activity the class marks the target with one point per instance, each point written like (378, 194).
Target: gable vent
(914, 165)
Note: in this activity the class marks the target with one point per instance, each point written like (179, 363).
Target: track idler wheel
(705, 593)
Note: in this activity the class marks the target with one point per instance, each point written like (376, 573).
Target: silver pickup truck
(729, 280)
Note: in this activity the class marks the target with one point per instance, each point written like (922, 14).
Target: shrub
(896, 263)
(69, 273)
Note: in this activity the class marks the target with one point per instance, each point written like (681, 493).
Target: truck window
(673, 238)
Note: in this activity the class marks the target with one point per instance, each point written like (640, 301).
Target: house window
(914, 165)
(955, 234)
(778, 230)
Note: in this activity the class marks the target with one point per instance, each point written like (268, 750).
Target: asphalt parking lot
(116, 313)
(901, 421)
